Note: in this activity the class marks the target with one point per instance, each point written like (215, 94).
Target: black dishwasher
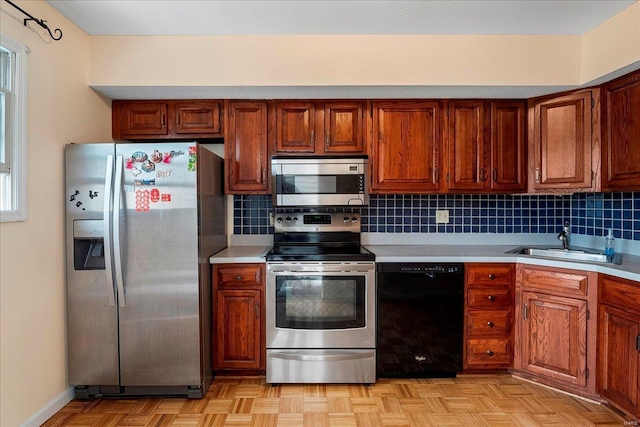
(420, 320)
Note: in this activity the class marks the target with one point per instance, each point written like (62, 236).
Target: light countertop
(240, 254)
(629, 269)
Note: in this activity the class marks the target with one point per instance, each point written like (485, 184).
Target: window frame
(16, 125)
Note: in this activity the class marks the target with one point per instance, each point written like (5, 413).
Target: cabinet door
(343, 127)
(238, 330)
(295, 127)
(406, 147)
(554, 337)
(619, 358)
(507, 157)
(197, 117)
(562, 142)
(247, 154)
(621, 134)
(466, 147)
(138, 119)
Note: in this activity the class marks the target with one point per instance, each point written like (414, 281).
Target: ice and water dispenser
(88, 244)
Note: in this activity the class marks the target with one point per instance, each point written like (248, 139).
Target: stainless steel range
(320, 301)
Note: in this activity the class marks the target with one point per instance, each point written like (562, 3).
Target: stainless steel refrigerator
(142, 220)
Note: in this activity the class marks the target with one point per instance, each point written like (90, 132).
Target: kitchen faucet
(564, 236)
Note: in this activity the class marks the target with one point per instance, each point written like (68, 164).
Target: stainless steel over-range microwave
(320, 181)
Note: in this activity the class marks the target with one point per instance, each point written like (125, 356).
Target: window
(13, 130)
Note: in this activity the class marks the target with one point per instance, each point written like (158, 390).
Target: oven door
(320, 305)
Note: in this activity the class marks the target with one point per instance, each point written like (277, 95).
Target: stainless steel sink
(577, 254)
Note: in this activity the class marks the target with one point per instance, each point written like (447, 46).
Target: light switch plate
(442, 217)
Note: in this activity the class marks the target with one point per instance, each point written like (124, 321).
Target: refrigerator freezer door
(159, 323)
(91, 313)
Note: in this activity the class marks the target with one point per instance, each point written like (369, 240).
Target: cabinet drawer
(490, 274)
(489, 297)
(620, 292)
(240, 275)
(489, 322)
(557, 281)
(495, 351)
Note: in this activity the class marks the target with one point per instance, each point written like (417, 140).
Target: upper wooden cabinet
(466, 146)
(485, 146)
(564, 147)
(246, 148)
(507, 147)
(621, 133)
(405, 147)
(320, 127)
(140, 120)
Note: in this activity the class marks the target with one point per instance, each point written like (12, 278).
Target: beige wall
(334, 60)
(330, 60)
(612, 45)
(61, 109)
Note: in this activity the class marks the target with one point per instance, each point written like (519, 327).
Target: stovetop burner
(319, 253)
(304, 236)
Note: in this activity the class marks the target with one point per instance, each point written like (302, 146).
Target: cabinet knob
(491, 298)
(239, 277)
(492, 276)
(489, 353)
(490, 324)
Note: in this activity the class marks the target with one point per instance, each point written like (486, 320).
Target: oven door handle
(319, 357)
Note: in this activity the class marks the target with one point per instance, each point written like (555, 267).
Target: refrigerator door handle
(108, 187)
(117, 250)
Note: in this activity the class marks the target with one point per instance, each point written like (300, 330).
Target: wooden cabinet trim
(557, 281)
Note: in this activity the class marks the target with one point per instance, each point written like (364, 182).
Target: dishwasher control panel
(420, 268)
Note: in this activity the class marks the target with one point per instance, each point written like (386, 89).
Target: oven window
(320, 302)
(320, 184)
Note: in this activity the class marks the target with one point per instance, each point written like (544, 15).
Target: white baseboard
(49, 410)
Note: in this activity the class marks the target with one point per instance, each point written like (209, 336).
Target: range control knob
(354, 220)
(346, 219)
(279, 220)
(287, 220)
(295, 220)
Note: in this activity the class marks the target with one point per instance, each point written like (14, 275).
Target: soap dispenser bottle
(608, 244)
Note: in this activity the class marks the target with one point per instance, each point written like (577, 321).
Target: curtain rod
(40, 22)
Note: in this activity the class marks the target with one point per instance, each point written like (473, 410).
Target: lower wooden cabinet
(238, 304)
(488, 316)
(555, 335)
(619, 343)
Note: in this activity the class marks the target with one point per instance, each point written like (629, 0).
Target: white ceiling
(216, 17)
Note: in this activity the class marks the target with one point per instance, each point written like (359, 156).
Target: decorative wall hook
(40, 22)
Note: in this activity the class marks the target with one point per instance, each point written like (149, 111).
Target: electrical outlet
(442, 217)
(271, 218)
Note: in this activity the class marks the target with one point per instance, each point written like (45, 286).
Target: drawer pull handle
(490, 324)
(492, 276)
(257, 311)
(239, 277)
(489, 352)
(491, 298)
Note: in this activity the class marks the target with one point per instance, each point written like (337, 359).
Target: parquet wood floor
(492, 401)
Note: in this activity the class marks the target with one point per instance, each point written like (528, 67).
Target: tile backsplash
(589, 214)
